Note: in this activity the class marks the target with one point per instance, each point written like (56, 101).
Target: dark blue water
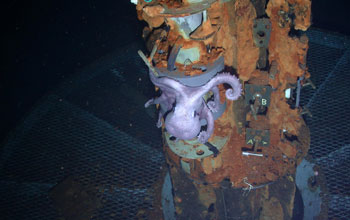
(45, 42)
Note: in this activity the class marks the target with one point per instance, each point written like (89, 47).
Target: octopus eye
(194, 114)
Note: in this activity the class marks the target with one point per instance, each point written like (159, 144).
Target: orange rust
(173, 4)
(247, 52)
(153, 11)
(302, 12)
(204, 33)
(282, 116)
(274, 70)
(288, 52)
(259, 77)
(157, 8)
(226, 36)
(287, 149)
(262, 123)
(152, 21)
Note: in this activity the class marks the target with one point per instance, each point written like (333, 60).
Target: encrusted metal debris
(259, 137)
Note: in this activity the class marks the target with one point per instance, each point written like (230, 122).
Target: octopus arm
(231, 94)
(208, 116)
(167, 84)
(214, 105)
(166, 102)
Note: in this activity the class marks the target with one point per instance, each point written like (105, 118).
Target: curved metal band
(194, 81)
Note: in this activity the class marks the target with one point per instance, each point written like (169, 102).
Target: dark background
(45, 42)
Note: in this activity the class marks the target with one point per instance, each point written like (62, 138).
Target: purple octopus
(187, 107)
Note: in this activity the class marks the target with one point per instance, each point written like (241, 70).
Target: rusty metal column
(249, 158)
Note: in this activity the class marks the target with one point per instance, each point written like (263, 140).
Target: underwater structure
(230, 74)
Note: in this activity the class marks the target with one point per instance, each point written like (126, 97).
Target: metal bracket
(172, 57)
(259, 92)
(273, 69)
(261, 32)
(257, 138)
